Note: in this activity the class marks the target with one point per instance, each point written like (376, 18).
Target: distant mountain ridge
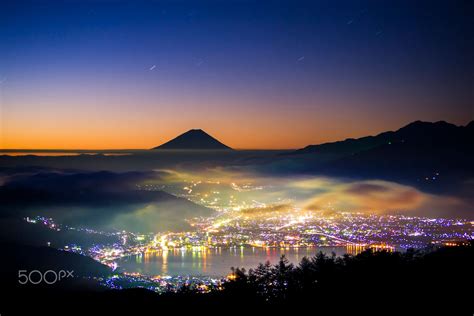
(434, 156)
(418, 132)
(195, 139)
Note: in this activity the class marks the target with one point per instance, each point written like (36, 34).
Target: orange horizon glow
(73, 120)
(69, 135)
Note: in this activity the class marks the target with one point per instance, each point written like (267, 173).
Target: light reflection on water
(217, 262)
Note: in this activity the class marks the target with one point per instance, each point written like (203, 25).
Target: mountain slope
(436, 157)
(195, 139)
(103, 200)
(420, 133)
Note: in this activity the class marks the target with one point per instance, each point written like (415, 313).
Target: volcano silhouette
(195, 139)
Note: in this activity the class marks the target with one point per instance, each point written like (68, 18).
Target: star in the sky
(199, 62)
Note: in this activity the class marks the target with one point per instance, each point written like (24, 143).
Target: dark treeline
(370, 276)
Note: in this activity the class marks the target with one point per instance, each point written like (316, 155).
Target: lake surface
(214, 262)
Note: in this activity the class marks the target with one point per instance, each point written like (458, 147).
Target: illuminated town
(290, 229)
(246, 217)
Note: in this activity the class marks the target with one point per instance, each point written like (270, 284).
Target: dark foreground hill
(29, 258)
(195, 139)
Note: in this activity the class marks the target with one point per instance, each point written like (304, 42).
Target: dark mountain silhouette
(416, 133)
(435, 157)
(195, 139)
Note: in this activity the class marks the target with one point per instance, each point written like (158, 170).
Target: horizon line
(131, 149)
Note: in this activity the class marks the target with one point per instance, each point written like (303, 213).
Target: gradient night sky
(270, 74)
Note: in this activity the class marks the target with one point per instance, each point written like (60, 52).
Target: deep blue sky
(266, 74)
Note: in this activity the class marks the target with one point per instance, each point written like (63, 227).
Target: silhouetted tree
(376, 275)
